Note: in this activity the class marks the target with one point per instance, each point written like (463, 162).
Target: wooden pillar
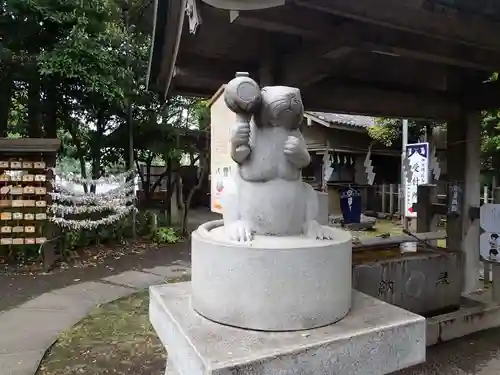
(400, 200)
(463, 148)
(427, 221)
(324, 165)
(495, 267)
(391, 199)
(268, 70)
(426, 196)
(384, 196)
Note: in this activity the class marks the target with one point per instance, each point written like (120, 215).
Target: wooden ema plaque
(24, 195)
(25, 183)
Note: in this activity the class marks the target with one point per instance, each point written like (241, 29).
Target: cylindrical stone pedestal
(272, 283)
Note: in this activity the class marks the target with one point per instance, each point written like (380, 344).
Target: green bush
(117, 233)
(167, 235)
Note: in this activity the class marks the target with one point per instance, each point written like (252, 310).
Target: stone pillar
(463, 147)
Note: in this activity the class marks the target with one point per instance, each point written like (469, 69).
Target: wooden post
(464, 165)
(486, 265)
(427, 221)
(324, 164)
(495, 267)
(400, 200)
(391, 199)
(384, 196)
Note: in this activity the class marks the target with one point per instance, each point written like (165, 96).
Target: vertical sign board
(416, 173)
(221, 163)
(489, 240)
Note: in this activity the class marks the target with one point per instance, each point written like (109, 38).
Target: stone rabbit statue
(266, 194)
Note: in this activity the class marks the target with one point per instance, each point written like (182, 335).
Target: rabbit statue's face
(281, 107)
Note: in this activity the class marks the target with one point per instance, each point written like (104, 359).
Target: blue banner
(350, 205)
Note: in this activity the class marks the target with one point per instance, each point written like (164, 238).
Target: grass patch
(115, 338)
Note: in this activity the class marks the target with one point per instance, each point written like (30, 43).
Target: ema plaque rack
(25, 183)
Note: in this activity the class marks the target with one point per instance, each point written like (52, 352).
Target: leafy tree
(490, 140)
(77, 70)
(390, 130)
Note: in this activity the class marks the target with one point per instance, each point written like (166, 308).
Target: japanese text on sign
(416, 173)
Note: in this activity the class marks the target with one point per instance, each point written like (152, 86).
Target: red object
(219, 187)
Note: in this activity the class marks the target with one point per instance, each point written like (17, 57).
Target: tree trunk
(50, 109)
(167, 209)
(81, 155)
(83, 170)
(96, 148)
(187, 203)
(148, 192)
(6, 85)
(34, 107)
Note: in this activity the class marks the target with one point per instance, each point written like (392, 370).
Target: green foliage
(76, 239)
(389, 130)
(146, 224)
(203, 114)
(167, 235)
(77, 70)
(385, 130)
(490, 140)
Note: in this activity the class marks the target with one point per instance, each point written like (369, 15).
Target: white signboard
(417, 173)
(489, 241)
(221, 163)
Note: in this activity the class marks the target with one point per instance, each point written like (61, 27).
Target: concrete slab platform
(375, 338)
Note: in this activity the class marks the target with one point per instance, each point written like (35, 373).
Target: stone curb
(29, 330)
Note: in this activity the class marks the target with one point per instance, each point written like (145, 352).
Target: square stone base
(374, 339)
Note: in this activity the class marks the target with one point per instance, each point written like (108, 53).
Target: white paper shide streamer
(116, 203)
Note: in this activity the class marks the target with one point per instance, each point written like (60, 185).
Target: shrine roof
(342, 119)
(395, 58)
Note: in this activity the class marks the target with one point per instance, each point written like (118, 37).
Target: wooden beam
(482, 96)
(300, 21)
(459, 27)
(309, 65)
(314, 63)
(303, 69)
(344, 97)
(289, 19)
(194, 67)
(420, 47)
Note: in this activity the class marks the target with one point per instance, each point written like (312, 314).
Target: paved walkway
(28, 330)
(35, 309)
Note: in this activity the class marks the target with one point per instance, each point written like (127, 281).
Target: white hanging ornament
(72, 178)
(118, 202)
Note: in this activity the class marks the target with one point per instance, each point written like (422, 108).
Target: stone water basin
(423, 281)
